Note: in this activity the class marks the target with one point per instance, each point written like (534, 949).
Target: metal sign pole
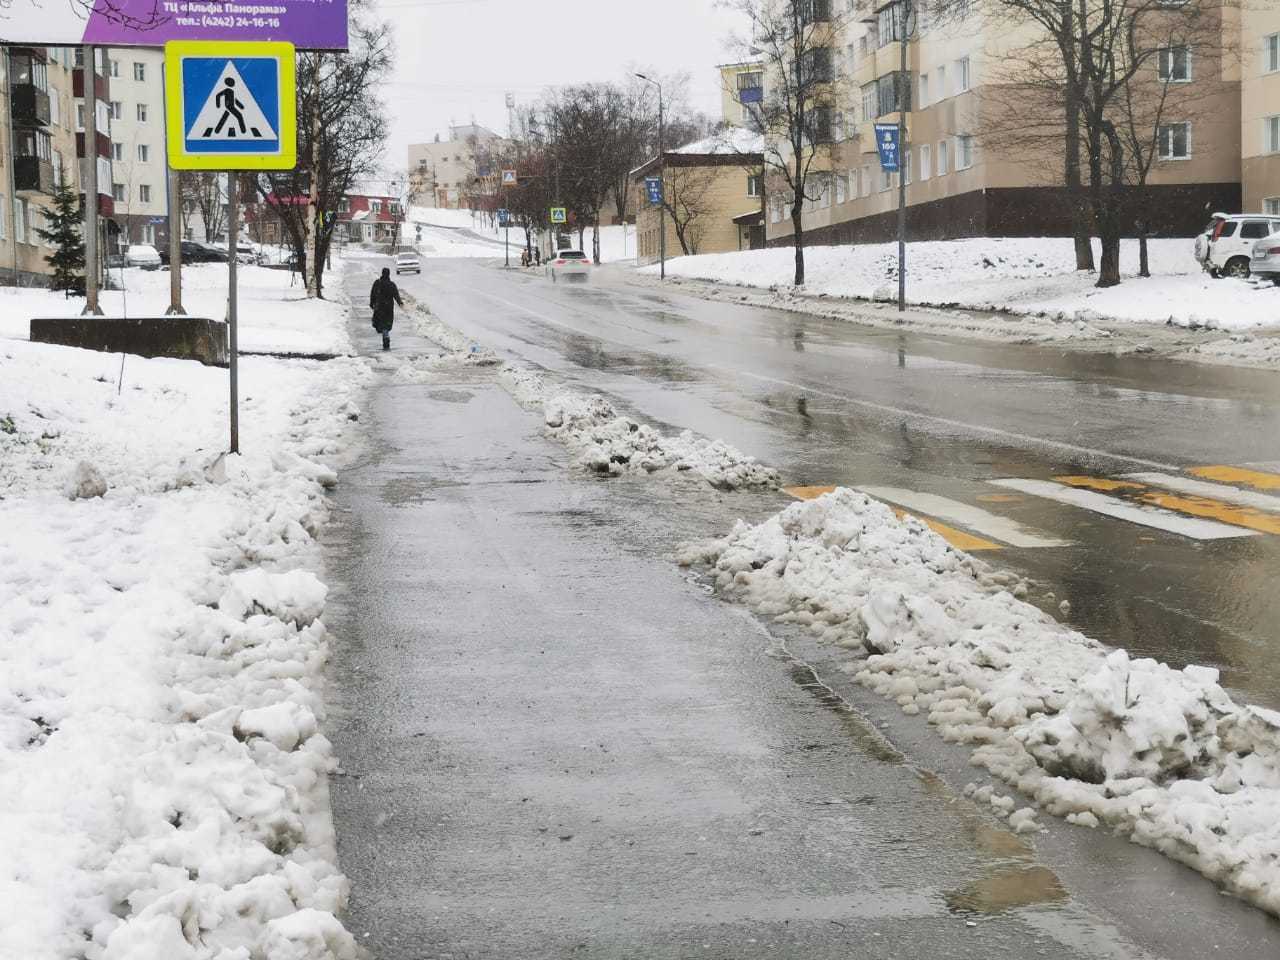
(173, 184)
(233, 232)
(92, 271)
(506, 242)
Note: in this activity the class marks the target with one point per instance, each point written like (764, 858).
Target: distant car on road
(194, 252)
(407, 262)
(569, 264)
(1225, 248)
(142, 255)
(1265, 262)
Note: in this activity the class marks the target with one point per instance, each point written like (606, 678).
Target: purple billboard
(307, 24)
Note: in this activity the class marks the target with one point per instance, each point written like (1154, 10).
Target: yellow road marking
(1194, 506)
(1001, 498)
(957, 538)
(1257, 479)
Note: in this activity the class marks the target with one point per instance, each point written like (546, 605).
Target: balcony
(30, 105)
(101, 87)
(104, 145)
(33, 175)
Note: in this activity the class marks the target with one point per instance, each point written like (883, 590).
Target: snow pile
(274, 312)
(606, 443)
(162, 780)
(1027, 276)
(1161, 755)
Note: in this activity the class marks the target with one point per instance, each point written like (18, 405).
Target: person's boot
(386, 341)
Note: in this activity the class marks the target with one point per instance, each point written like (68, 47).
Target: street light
(662, 178)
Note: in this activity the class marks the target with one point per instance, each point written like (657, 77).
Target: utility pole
(313, 191)
(173, 185)
(662, 180)
(233, 345)
(904, 154)
(91, 253)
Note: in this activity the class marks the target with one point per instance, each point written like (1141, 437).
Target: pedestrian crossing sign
(230, 106)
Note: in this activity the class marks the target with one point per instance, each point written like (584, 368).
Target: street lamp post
(904, 93)
(662, 179)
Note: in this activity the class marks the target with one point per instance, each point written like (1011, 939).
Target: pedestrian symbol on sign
(231, 112)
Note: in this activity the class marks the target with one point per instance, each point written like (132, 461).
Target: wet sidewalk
(557, 744)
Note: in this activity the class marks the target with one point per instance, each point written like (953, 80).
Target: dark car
(195, 252)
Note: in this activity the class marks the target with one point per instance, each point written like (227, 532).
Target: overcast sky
(457, 59)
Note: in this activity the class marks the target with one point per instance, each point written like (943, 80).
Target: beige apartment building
(441, 173)
(1260, 107)
(715, 189)
(969, 171)
(42, 141)
(139, 184)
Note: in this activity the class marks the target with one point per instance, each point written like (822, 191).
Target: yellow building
(713, 190)
(1260, 107)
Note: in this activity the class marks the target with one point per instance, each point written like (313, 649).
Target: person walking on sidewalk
(383, 297)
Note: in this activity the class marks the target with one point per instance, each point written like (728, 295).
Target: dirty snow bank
(1160, 755)
(1027, 276)
(607, 443)
(162, 780)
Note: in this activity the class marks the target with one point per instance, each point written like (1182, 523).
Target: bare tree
(687, 198)
(202, 191)
(793, 39)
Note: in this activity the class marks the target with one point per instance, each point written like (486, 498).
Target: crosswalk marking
(1258, 479)
(957, 538)
(1192, 505)
(974, 518)
(1269, 466)
(1147, 516)
(1216, 491)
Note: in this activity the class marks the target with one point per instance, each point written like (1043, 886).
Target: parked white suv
(1265, 264)
(1226, 245)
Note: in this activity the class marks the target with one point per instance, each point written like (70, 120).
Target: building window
(19, 220)
(148, 233)
(144, 152)
(942, 157)
(815, 66)
(144, 193)
(864, 181)
(906, 162)
(926, 162)
(924, 90)
(842, 188)
(886, 179)
(4, 219)
(869, 101)
(55, 108)
(820, 124)
(893, 91)
(837, 127)
(964, 152)
(1271, 53)
(889, 24)
(142, 113)
(753, 185)
(1270, 206)
(113, 67)
(962, 75)
(1271, 134)
(117, 192)
(823, 190)
(117, 152)
(1174, 64)
(1174, 141)
(942, 83)
(79, 116)
(115, 110)
(139, 71)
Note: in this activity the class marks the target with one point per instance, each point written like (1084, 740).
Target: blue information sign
(504, 217)
(887, 145)
(653, 186)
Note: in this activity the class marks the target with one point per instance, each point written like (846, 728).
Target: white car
(1265, 262)
(570, 264)
(142, 255)
(1225, 248)
(407, 262)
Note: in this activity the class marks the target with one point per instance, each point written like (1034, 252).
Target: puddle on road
(411, 489)
(1007, 890)
(450, 396)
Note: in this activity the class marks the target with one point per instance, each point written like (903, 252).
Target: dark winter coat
(382, 299)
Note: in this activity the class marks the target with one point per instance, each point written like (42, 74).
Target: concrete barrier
(183, 338)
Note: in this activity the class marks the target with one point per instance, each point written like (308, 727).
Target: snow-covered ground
(274, 314)
(1033, 276)
(1162, 756)
(162, 780)
(467, 233)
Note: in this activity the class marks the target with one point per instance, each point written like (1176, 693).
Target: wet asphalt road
(554, 743)
(830, 403)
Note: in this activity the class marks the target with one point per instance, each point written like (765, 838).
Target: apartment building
(1260, 107)
(140, 174)
(441, 173)
(968, 171)
(41, 145)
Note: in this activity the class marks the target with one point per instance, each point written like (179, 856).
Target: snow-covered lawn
(274, 314)
(1024, 276)
(1161, 756)
(162, 780)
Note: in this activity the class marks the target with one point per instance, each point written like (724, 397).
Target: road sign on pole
(230, 106)
(509, 178)
(559, 215)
